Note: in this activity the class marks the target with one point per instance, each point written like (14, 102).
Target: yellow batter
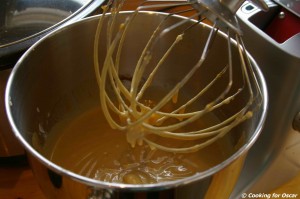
(88, 146)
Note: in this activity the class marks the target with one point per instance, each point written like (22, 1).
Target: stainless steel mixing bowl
(22, 23)
(56, 77)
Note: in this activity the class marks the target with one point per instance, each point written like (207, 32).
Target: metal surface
(23, 22)
(291, 5)
(23, 19)
(65, 79)
(225, 11)
(276, 153)
(9, 145)
(216, 10)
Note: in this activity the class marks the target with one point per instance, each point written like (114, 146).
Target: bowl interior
(55, 78)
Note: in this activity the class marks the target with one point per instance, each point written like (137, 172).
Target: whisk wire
(139, 119)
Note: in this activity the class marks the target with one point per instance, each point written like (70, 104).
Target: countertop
(17, 180)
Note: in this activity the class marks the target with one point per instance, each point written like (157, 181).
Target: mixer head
(125, 104)
(223, 11)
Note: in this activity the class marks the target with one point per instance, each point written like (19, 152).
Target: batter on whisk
(136, 117)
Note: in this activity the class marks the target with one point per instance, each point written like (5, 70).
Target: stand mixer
(273, 39)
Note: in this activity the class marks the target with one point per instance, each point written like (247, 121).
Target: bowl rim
(109, 185)
(11, 50)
